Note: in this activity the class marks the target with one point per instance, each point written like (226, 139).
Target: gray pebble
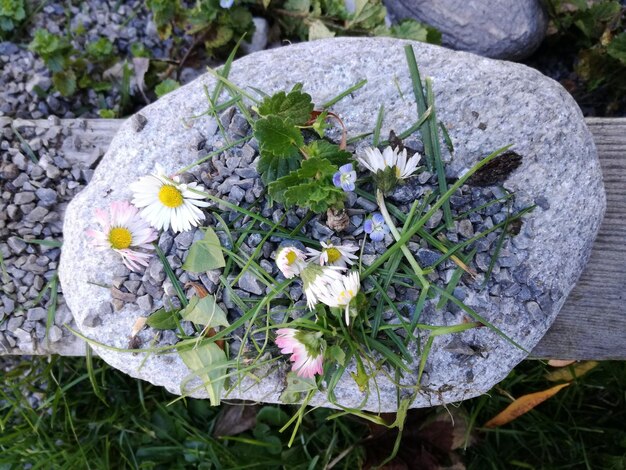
(36, 314)
(47, 197)
(249, 283)
(55, 334)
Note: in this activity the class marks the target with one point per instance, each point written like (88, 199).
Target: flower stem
(380, 199)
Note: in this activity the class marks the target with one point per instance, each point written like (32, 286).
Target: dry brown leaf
(560, 362)
(200, 290)
(139, 324)
(571, 373)
(523, 405)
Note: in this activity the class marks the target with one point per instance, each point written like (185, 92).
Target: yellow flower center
(345, 297)
(291, 257)
(120, 238)
(333, 254)
(170, 196)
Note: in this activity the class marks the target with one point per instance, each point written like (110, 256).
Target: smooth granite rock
(503, 29)
(485, 104)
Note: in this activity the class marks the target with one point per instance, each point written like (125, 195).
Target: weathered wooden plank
(592, 324)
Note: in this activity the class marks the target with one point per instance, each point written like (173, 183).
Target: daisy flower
(345, 177)
(290, 261)
(315, 278)
(340, 292)
(376, 227)
(339, 255)
(389, 166)
(164, 202)
(124, 232)
(306, 351)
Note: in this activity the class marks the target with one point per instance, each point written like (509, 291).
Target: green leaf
(617, 47)
(163, 319)
(318, 30)
(311, 186)
(166, 86)
(65, 82)
(273, 416)
(272, 167)
(204, 311)
(295, 387)
(276, 136)
(326, 150)
(411, 29)
(361, 378)
(205, 255)
(293, 108)
(208, 362)
(337, 354)
(100, 49)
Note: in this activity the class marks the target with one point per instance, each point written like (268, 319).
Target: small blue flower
(376, 227)
(345, 177)
(226, 3)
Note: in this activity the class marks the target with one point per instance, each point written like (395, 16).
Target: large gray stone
(502, 29)
(485, 104)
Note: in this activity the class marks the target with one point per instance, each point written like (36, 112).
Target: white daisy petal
(166, 202)
(125, 232)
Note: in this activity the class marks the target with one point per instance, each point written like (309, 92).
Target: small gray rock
(47, 197)
(36, 314)
(506, 29)
(249, 283)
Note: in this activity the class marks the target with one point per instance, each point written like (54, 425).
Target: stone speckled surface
(485, 104)
(504, 29)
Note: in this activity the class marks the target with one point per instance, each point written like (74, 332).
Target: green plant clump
(595, 32)
(12, 13)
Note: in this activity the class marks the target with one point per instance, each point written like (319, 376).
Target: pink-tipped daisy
(306, 349)
(334, 255)
(164, 202)
(124, 232)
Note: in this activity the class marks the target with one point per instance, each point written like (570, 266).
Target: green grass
(138, 427)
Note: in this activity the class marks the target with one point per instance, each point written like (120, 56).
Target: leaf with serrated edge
(204, 311)
(327, 151)
(277, 136)
(293, 108)
(272, 167)
(523, 405)
(208, 362)
(205, 255)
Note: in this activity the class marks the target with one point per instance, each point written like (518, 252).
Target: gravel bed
(232, 177)
(26, 83)
(34, 196)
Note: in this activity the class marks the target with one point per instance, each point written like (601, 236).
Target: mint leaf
(328, 151)
(311, 186)
(272, 167)
(294, 108)
(205, 255)
(279, 144)
(276, 136)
